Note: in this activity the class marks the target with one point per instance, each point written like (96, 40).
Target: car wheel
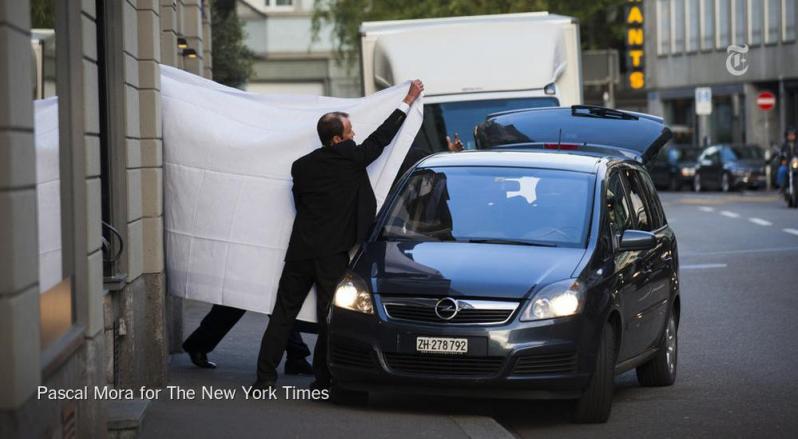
(697, 182)
(725, 183)
(596, 402)
(341, 396)
(661, 370)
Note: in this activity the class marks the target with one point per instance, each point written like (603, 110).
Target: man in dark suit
(220, 320)
(335, 207)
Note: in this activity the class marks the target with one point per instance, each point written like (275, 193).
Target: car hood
(454, 269)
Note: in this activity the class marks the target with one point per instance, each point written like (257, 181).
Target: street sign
(703, 101)
(766, 101)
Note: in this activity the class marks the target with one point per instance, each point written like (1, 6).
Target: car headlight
(688, 172)
(352, 293)
(560, 299)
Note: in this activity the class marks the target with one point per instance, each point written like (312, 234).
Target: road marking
(702, 266)
(476, 427)
(706, 209)
(760, 221)
(791, 231)
(729, 214)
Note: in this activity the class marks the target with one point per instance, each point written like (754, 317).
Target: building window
(279, 4)
(663, 27)
(774, 21)
(724, 24)
(739, 21)
(756, 18)
(707, 24)
(56, 301)
(788, 33)
(677, 26)
(694, 24)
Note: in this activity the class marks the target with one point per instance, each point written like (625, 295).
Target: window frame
(616, 235)
(269, 6)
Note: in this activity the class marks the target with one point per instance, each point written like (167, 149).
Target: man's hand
(455, 146)
(416, 87)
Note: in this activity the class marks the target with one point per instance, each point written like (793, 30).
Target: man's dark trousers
(218, 323)
(295, 282)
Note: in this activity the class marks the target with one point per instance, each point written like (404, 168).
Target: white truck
(474, 66)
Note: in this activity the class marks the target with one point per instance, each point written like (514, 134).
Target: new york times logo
(736, 62)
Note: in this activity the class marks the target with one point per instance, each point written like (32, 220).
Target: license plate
(442, 345)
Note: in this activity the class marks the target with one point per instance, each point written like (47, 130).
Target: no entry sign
(766, 101)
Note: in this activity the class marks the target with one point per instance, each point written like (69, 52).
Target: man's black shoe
(298, 367)
(200, 359)
(263, 385)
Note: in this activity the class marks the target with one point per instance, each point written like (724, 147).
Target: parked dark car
(673, 167)
(539, 268)
(730, 167)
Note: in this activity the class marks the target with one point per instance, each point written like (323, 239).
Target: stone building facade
(107, 323)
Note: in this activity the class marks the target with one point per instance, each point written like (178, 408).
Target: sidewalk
(385, 416)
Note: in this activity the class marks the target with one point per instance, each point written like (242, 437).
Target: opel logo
(446, 308)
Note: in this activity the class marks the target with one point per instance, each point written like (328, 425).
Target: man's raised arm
(372, 147)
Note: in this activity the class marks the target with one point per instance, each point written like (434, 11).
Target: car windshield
(742, 153)
(524, 206)
(448, 118)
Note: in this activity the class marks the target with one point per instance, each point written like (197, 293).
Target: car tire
(596, 402)
(661, 370)
(341, 396)
(725, 183)
(697, 182)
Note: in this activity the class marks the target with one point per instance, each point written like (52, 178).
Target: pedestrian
(219, 321)
(335, 207)
(786, 154)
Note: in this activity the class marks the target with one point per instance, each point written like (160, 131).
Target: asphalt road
(738, 356)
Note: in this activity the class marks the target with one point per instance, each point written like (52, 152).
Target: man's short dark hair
(331, 125)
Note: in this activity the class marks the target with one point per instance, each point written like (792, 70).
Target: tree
(42, 14)
(232, 60)
(601, 20)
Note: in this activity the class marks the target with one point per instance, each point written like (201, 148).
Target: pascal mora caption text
(182, 393)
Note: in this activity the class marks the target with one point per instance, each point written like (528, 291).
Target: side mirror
(637, 240)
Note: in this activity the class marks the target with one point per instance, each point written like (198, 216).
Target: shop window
(663, 27)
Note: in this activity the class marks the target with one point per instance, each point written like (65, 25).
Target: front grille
(443, 364)
(464, 316)
(538, 364)
(352, 354)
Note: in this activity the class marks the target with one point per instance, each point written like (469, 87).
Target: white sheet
(227, 181)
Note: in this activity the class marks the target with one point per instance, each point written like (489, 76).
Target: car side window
(640, 210)
(657, 212)
(618, 210)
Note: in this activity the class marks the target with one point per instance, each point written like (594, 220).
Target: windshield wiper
(509, 242)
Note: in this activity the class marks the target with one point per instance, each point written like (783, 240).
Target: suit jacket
(334, 201)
